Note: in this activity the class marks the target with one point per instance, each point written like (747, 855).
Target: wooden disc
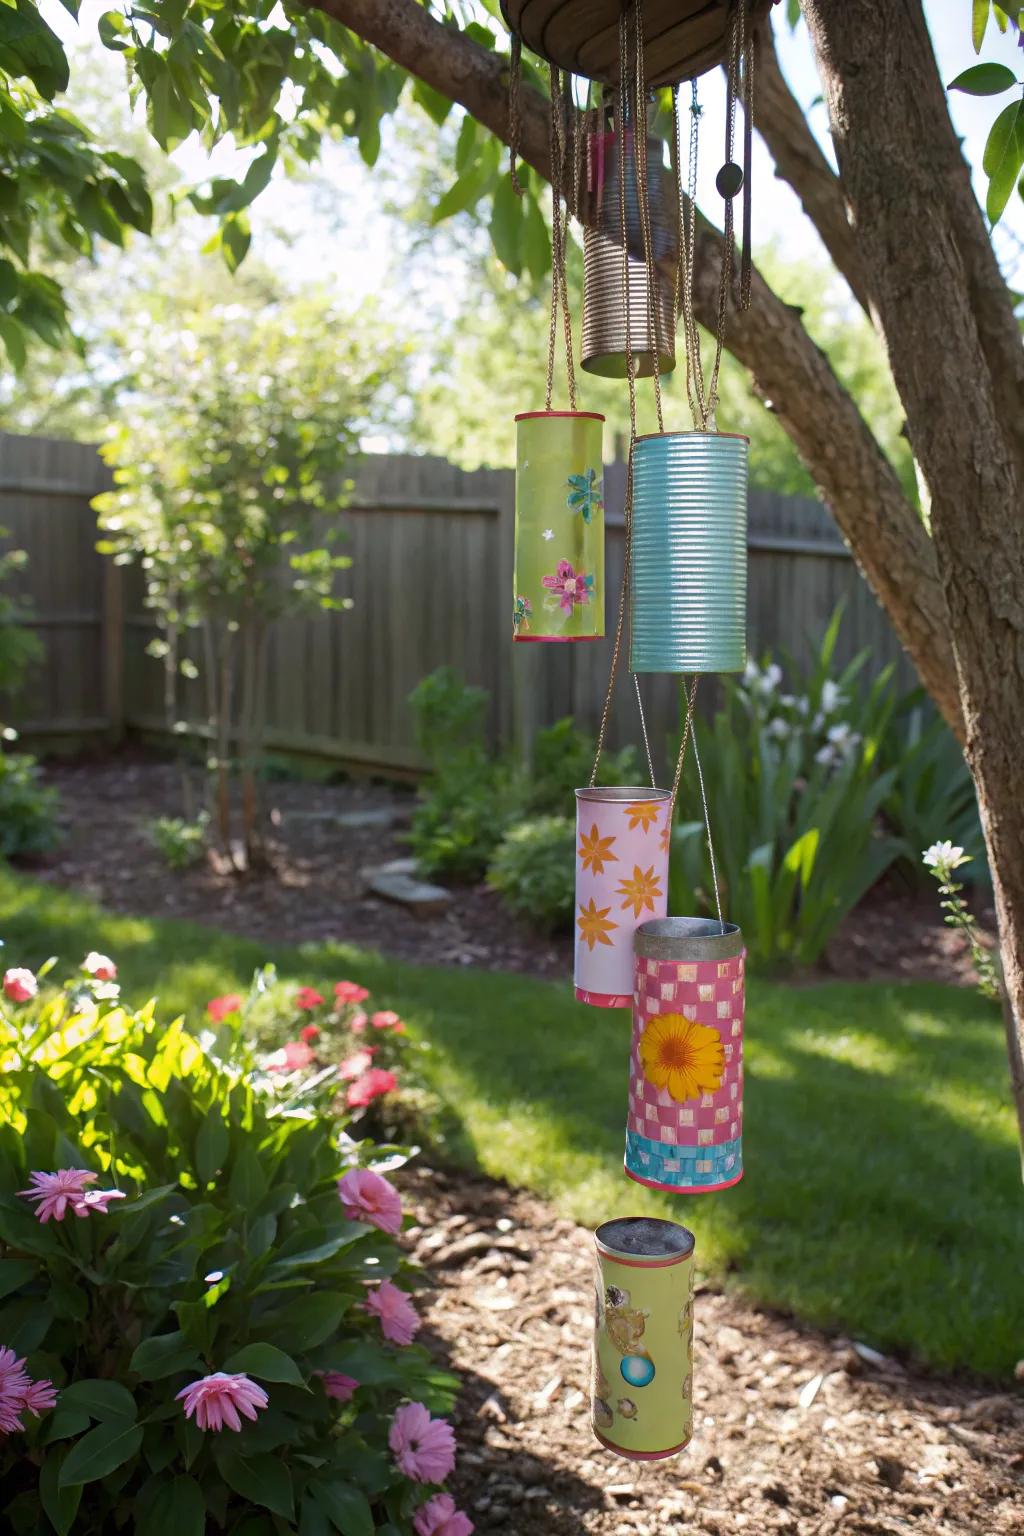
(682, 38)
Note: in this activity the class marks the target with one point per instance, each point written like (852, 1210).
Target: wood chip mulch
(795, 1432)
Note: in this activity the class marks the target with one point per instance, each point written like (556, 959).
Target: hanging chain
(643, 203)
(515, 81)
(707, 828)
(691, 704)
(643, 729)
(559, 236)
(746, 259)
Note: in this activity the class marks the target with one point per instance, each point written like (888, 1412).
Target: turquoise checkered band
(685, 1167)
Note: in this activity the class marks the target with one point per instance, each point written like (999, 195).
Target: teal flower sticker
(585, 494)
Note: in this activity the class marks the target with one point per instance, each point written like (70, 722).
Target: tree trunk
(956, 356)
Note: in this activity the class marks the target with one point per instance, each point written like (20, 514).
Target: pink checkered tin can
(622, 842)
(684, 1131)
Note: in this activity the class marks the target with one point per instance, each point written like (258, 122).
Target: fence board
(430, 583)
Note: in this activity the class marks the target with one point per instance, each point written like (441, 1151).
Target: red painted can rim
(641, 1455)
(576, 415)
(682, 1189)
(603, 999)
(553, 639)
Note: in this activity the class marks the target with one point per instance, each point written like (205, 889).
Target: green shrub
(231, 1253)
(933, 795)
(28, 808)
(535, 871)
(563, 758)
(180, 843)
(794, 793)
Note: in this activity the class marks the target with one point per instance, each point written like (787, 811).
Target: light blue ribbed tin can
(689, 565)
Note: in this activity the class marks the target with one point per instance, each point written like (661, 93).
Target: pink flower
(337, 1385)
(309, 1032)
(307, 997)
(350, 992)
(385, 1019)
(398, 1319)
(40, 1397)
(218, 1399)
(424, 1448)
(571, 586)
(369, 1087)
(54, 1192)
(20, 1394)
(367, 1196)
(20, 985)
(99, 967)
(292, 1058)
(358, 1022)
(355, 1065)
(96, 1200)
(439, 1517)
(219, 1007)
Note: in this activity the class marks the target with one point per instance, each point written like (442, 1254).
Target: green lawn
(883, 1192)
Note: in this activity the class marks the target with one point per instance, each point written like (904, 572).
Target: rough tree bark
(955, 351)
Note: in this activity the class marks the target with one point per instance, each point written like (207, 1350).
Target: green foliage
(535, 871)
(231, 1253)
(563, 759)
(794, 794)
(19, 647)
(1003, 158)
(932, 794)
(28, 808)
(180, 843)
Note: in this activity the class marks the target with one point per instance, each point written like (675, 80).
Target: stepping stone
(398, 882)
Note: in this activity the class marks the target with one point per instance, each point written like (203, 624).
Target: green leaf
(176, 1508)
(792, 12)
(347, 1508)
(464, 194)
(60, 1505)
(507, 226)
(312, 1520)
(64, 1423)
(466, 144)
(1006, 165)
(28, 47)
(259, 1480)
(436, 106)
(212, 1144)
(164, 1355)
(984, 80)
(267, 1363)
(100, 1399)
(114, 31)
(15, 1273)
(100, 1452)
(13, 338)
(310, 1320)
(248, 1182)
(979, 21)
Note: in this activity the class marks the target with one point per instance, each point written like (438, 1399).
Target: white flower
(831, 698)
(750, 673)
(825, 755)
(803, 706)
(549, 534)
(780, 729)
(817, 723)
(945, 856)
(773, 676)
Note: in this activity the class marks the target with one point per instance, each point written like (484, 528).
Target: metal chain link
(707, 828)
(515, 81)
(746, 261)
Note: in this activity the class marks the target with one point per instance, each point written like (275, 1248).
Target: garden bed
(314, 888)
(796, 1432)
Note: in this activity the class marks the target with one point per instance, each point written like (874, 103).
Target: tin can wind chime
(622, 845)
(558, 580)
(642, 1393)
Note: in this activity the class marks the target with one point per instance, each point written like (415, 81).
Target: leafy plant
(794, 794)
(28, 808)
(218, 1241)
(940, 860)
(19, 647)
(933, 790)
(534, 869)
(563, 758)
(181, 843)
(1003, 158)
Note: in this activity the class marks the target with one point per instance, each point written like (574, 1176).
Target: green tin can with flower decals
(642, 1398)
(558, 591)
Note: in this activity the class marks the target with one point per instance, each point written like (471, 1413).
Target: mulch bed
(795, 1432)
(314, 888)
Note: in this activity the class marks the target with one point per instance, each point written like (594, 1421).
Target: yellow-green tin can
(558, 591)
(642, 1401)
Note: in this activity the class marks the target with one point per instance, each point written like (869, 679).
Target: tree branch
(883, 530)
(801, 163)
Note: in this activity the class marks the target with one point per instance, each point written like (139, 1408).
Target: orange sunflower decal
(594, 924)
(640, 891)
(682, 1056)
(643, 814)
(595, 852)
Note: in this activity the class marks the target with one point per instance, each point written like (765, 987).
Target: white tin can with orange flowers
(684, 1130)
(642, 1393)
(622, 843)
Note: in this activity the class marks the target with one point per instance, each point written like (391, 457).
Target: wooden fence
(431, 581)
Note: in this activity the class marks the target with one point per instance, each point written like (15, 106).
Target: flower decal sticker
(643, 814)
(521, 615)
(681, 1056)
(594, 924)
(596, 851)
(585, 494)
(571, 588)
(640, 891)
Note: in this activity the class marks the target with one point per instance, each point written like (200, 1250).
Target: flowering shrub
(941, 860)
(205, 1319)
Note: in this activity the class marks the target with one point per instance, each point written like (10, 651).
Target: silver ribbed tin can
(689, 560)
(604, 294)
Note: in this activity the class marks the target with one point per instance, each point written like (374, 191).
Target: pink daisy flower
(358, 1022)
(338, 1385)
(40, 1397)
(96, 1200)
(367, 1196)
(369, 1087)
(350, 992)
(424, 1448)
(355, 1065)
(54, 1192)
(399, 1321)
(219, 1007)
(99, 967)
(308, 997)
(218, 1400)
(19, 985)
(14, 1379)
(439, 1517)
